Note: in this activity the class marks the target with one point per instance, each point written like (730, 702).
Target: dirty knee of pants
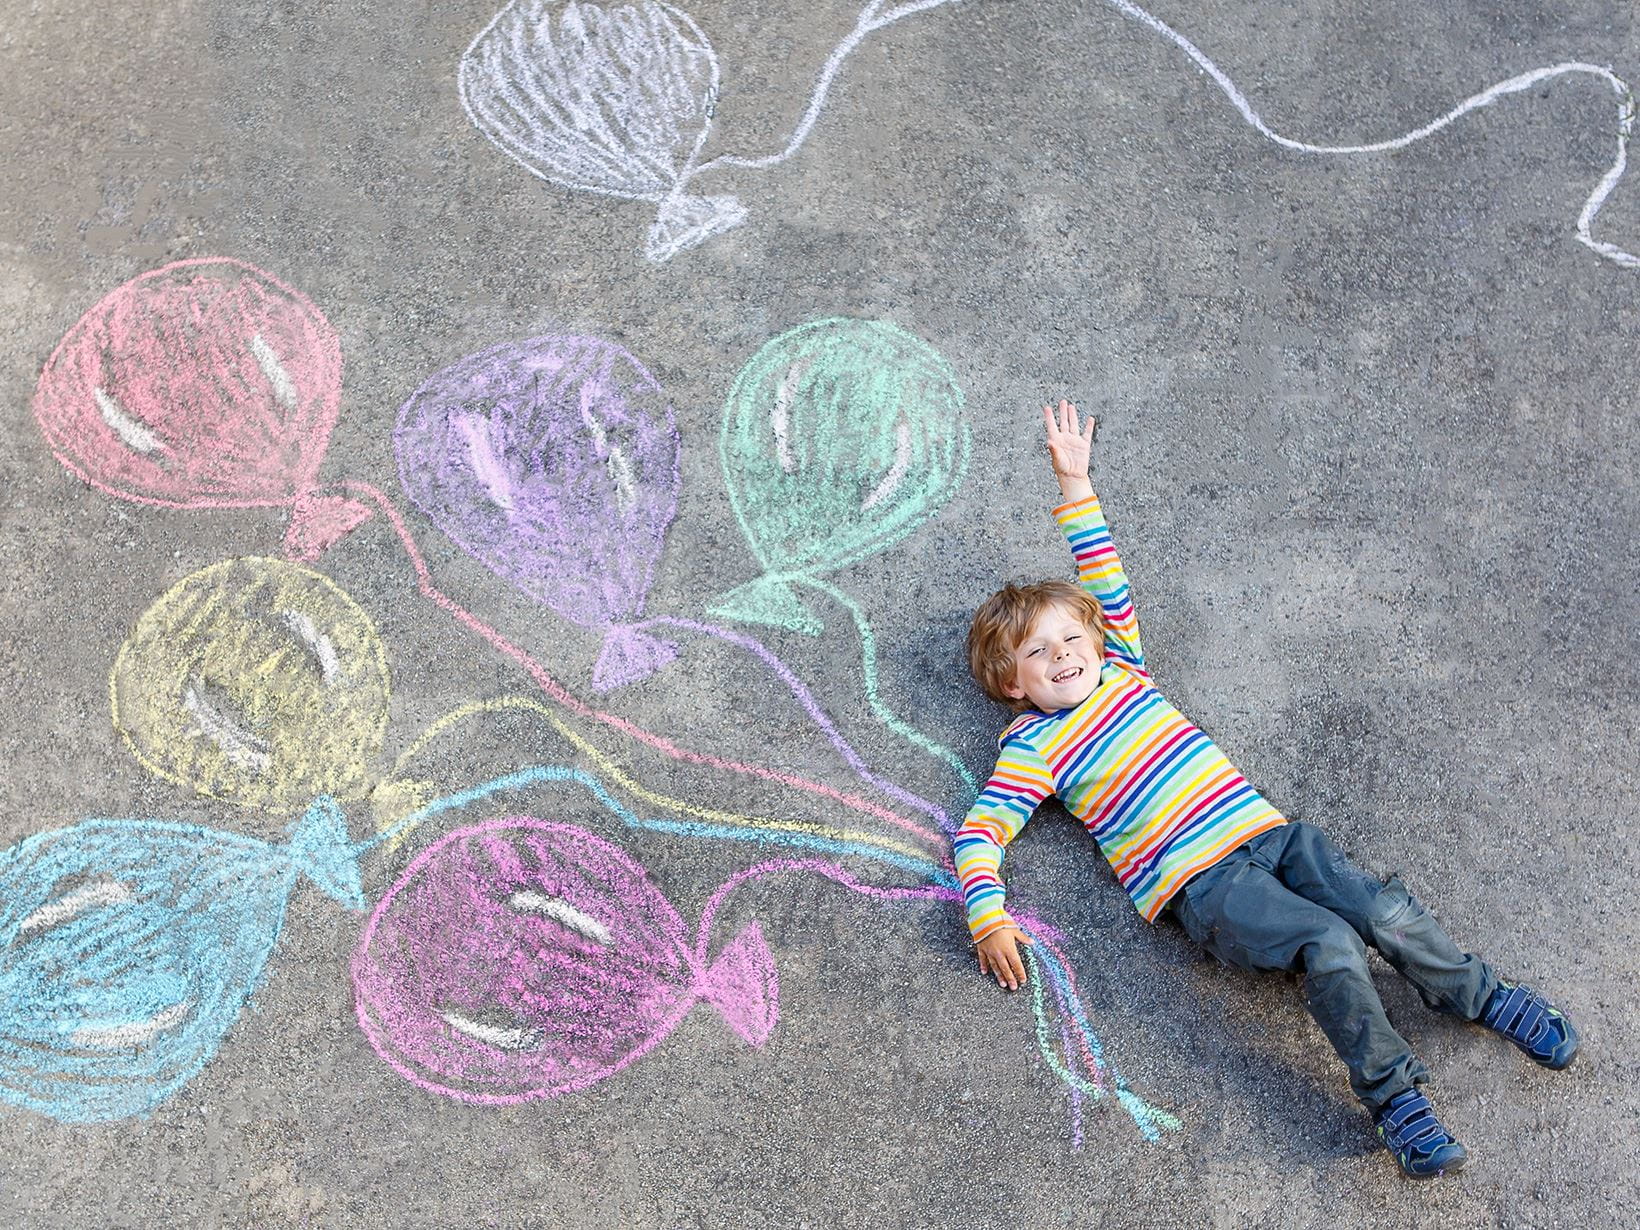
(1392, 910)
(1336, 952)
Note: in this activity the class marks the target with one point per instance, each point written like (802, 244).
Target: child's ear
(1012, 690)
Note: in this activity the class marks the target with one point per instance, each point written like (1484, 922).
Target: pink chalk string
(818, 716)
(569, 700)
(1058, 970)
(1076, 1094)
(831, 871)
(1063, 981)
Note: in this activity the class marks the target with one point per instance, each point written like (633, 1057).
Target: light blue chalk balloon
(129, 947)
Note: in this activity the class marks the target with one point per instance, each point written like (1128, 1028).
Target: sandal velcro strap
(1422, 1147)
(1410, 1120)
(1532, 1023)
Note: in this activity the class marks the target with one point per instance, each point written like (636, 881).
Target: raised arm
(1017, 786)
(1098, 568)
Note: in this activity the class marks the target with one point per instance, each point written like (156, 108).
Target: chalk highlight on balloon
(840, 437)
(128, 949)
(619, 99)
(554, 462)
(258, 681)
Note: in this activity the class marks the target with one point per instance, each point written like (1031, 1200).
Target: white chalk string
(1514, 85)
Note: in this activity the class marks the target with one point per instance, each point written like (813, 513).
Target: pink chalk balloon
(520, 959)
(204, 384)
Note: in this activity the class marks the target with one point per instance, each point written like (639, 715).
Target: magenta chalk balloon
(519, 959)
(554, 461)
(204, 384)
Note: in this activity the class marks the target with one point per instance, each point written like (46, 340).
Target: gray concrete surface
(1369, 449)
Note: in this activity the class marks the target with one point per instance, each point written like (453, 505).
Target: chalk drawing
(129, 947)
(554, 461)
(1518, 84)
(868, 666)
(840, 437)
(556, 691)
(931, 853)
(207, 383)
(1081, 1064)
(260, 682)
(819, 717)
(169, 305)
(255, 680)
(469, 988)
(619, 99)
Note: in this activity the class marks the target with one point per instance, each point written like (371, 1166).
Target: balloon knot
(629, 655)
(319, 522)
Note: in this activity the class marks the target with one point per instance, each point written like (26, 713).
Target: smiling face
(1057, 665)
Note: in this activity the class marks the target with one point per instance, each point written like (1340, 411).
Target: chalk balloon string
(1096, 1073)
(703, 821)
(871, 19)
(648, 139)
(817, 715)
(868, 667)
(1081, 1064)
(1514, 85)
(550, 685)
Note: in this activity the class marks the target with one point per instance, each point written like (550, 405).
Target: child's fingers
(1016, 971)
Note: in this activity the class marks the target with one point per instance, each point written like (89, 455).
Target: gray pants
(1290, 900)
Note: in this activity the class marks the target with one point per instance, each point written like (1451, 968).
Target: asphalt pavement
(1367, 447)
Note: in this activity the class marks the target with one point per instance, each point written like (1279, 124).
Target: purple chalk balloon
(553, 461)
(519, 959)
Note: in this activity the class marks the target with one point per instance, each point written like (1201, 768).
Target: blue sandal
(1409, 1129)
(1532, 1023)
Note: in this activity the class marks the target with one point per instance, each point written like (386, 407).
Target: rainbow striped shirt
(1157, 794)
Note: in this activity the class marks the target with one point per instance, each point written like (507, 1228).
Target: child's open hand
(1000, 957)
(1070, 444)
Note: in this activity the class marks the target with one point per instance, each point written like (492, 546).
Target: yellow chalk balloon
(255, 680)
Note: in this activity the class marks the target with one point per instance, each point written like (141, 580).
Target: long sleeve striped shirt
(1159, 797)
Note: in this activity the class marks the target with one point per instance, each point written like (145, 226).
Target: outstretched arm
(1018, 784)
(1098, 568)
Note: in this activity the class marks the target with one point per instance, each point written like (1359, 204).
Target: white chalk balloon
(616, 99)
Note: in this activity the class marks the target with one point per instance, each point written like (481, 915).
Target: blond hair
(1005, 619)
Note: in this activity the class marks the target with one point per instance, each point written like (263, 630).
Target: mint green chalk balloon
(840, 437)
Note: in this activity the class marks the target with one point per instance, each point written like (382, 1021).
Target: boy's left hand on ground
(1000, 957)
